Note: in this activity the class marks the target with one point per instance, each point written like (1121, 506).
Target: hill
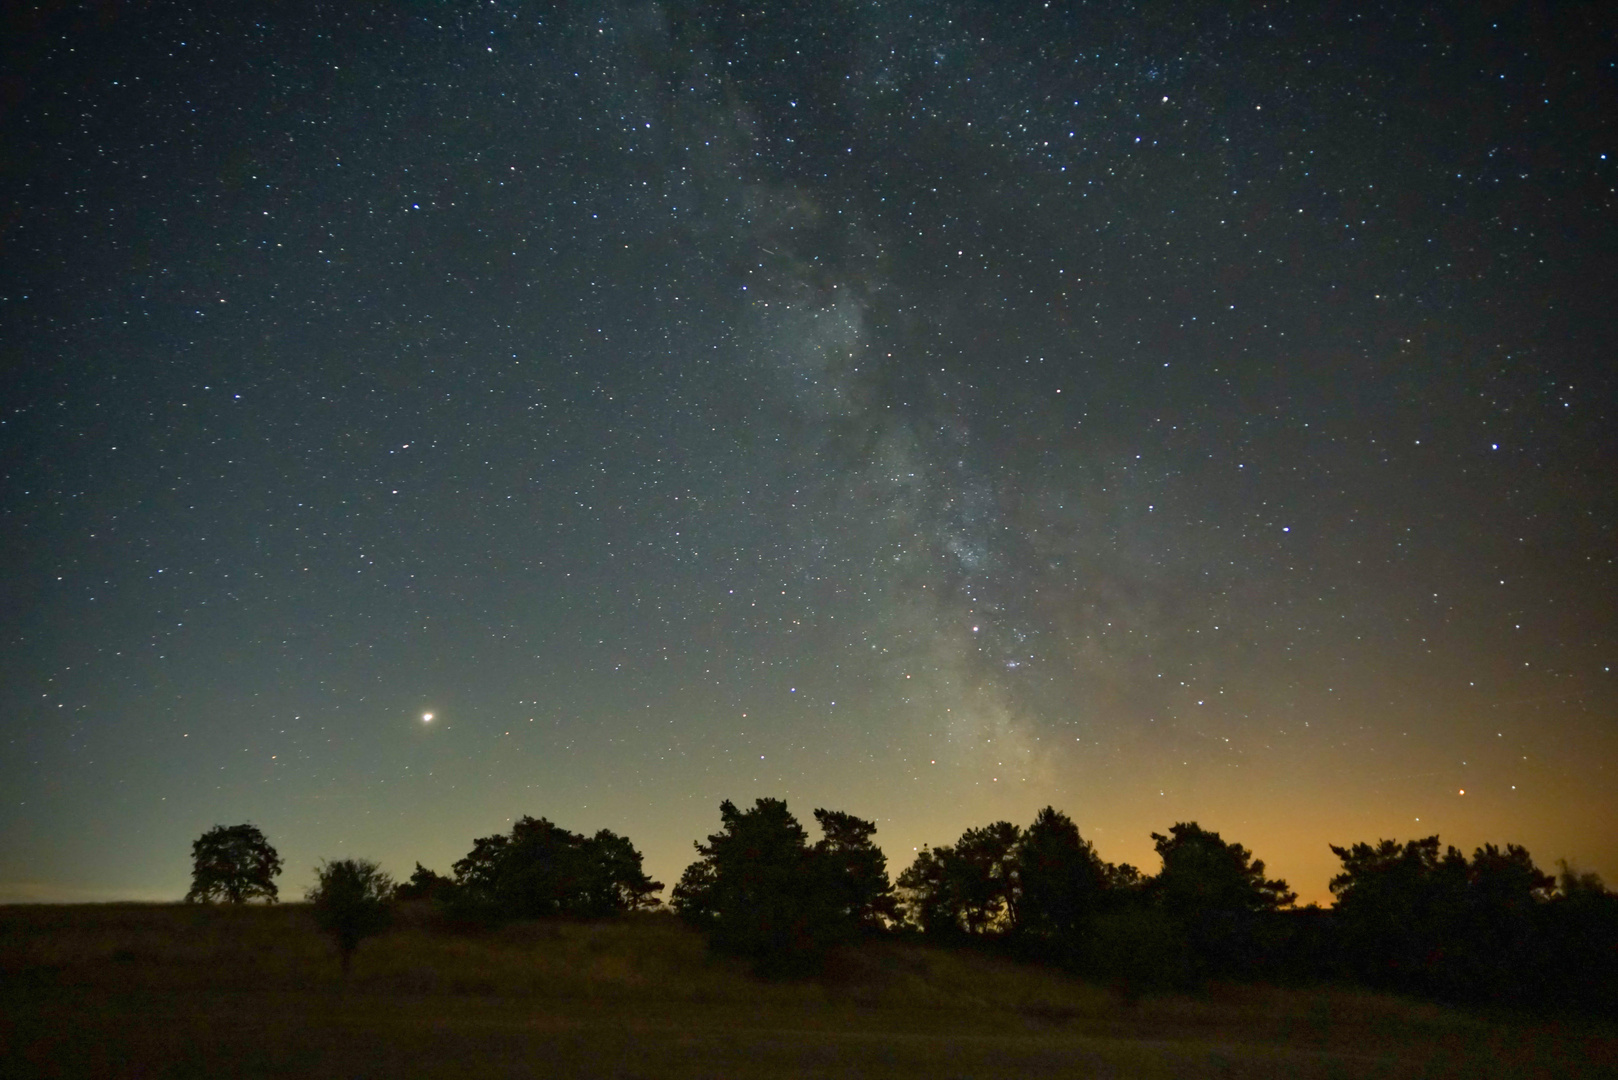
(175, 990)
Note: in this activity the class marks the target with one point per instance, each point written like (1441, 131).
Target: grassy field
(157, 990)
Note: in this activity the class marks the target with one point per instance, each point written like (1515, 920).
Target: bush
(353, 901)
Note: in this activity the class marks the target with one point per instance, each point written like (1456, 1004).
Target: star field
(927, 411)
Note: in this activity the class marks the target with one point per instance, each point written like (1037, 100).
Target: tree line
(1411, 916)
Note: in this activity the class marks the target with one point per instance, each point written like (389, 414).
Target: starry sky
(929, 410)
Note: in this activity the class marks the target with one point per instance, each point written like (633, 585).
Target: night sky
(925, 410)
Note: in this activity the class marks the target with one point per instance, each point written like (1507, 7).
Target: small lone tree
(352, 899)
(233, 863)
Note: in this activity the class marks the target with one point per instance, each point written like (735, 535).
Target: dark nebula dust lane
(926, 411)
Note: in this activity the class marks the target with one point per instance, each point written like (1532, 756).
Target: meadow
(128, 990)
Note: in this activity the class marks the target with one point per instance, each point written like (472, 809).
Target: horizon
(45, 893)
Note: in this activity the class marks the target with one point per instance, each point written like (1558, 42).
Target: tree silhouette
(1062, 881)
(1581, 939)
(1395, 906)
(541, 870)
(969, 887)
(1122, 876)
(233, 863)
(1501, 935)
(751, 891)
(1046, 891)
(1418, 919)
(925, 900)
(351, 898)
(1216, 893)
(761, 891)
(1204, 874)
(983, 873)
(424, 884)
(1577, 885)
(614, 881)
(854, 871)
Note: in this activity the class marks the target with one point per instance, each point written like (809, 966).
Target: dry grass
(132, 990)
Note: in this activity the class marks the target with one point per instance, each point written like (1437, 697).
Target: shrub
(353, 901)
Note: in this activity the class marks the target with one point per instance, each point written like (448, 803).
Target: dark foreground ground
(129, 990)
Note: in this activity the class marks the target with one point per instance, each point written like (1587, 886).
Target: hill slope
(126, 990)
